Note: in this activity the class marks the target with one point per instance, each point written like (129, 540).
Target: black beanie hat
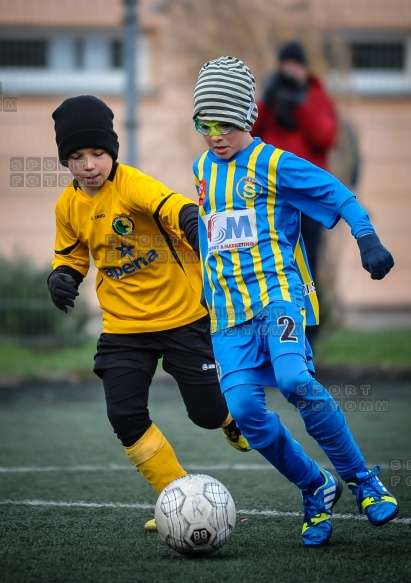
(84, 122)
(293, 51)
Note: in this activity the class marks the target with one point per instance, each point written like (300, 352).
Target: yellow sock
(155, 459)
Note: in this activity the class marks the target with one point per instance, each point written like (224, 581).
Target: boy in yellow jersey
(260, 295)
(140, 236)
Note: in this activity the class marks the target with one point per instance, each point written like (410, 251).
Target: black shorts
(127, 363)
(187, 352)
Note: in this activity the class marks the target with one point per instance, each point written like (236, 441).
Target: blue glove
(375, 258)
(63, 290)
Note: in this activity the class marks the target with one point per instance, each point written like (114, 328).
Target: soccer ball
(195, 515)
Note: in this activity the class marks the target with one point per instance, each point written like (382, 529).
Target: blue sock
(313, 486)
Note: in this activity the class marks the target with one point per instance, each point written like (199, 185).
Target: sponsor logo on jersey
(248, 188)
(202, 189)
(125, 250)
(231, 230)
(123, 226)
(133, 266)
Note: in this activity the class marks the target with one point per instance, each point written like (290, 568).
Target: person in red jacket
(296, 114)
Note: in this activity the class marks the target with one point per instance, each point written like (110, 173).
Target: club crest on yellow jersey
(123, 226)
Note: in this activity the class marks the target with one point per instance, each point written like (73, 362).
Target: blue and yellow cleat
(317, 527)
(373, 498)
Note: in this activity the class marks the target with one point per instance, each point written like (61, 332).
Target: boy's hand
(63, 290)
(375, 258)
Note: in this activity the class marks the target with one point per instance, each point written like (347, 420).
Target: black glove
(375, 258)
(284, 92)
(63, 290)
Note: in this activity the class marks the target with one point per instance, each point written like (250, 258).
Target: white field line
(274, 513)
(115, 467)
(118, 467)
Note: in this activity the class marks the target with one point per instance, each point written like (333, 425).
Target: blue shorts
(245, 353)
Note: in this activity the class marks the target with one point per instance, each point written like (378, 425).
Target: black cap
(293, 51)
(84, 122)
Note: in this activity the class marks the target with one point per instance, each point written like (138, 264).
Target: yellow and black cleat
(235, 438)
(151, 525)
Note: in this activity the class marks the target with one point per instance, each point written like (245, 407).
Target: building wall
(167, 144)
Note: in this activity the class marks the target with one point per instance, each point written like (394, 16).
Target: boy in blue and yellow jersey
(260, 295)
(140, 236)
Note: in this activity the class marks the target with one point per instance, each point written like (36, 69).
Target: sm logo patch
(231, 230)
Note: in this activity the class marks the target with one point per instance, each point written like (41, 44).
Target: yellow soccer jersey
(148, 278)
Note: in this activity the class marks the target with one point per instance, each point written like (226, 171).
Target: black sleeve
(189, 224)
(76, 275)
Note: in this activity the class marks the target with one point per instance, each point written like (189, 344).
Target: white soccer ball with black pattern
(195, 515)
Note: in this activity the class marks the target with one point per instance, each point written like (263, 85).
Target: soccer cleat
(317, 526)
(373, 498)
(151, 525)
(235, 438)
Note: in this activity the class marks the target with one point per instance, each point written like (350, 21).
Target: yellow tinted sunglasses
(213, 128)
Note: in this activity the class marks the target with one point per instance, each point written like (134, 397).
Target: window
(23, 53)
(377, 65)
(78, 50)
(116, 54)
(73, 53)
(69, 62)
(369, 56)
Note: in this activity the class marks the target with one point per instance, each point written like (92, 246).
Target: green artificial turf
(72, 508)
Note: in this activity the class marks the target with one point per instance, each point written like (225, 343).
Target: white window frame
(377, 82)
(61, 77)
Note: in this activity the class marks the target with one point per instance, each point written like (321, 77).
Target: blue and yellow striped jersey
(249, 229)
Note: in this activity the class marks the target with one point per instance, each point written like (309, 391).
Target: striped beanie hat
(225, 92)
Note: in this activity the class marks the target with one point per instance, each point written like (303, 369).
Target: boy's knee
(294, 384)
(257, 424)
(265, 433)
(205, 404)
(207, 419)
(261, 432)
(241, 405)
